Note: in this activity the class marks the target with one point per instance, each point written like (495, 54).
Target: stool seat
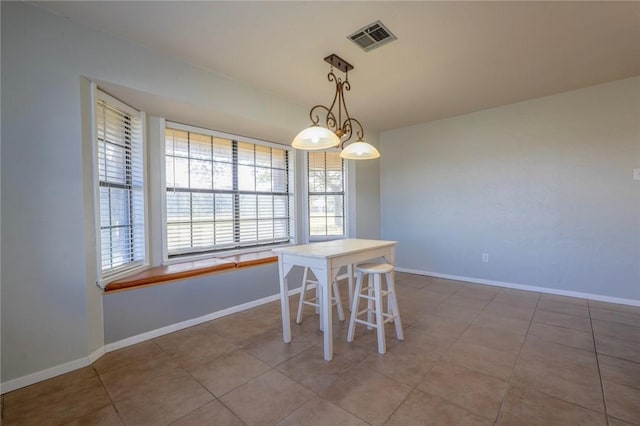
(375, 268)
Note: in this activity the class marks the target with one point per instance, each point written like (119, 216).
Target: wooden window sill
(246, 260)
(184, 270)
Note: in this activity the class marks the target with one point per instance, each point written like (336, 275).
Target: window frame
(131, 267)
(292, 193)
(346, 201)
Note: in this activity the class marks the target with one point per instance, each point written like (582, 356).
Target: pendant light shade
(360, 151)
(314, 138)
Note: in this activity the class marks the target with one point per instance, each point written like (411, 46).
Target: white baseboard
(547, 290)
(93, 356)
(48, 373)
(67, 367)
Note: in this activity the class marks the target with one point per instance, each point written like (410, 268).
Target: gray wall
(544, 186)
(367, 195)
(134, 312)
(51, 310)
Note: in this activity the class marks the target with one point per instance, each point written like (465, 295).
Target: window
(326, 183)
(223, 193)
(120, 185)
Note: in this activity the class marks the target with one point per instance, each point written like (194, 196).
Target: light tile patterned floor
(472, 354)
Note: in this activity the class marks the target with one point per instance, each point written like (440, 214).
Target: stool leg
(336, 294)
(302, 294)
(393, 301)
(382, 346)
(389, 304)
(370, 301)
(354, 307)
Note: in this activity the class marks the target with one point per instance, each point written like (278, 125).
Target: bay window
(224, 192)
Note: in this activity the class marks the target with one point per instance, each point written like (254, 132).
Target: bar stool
(373, 293)
(315, 301)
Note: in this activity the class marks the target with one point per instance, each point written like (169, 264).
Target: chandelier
(337, 127)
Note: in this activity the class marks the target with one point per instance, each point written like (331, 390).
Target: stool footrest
(383, 293)
(367, 323)
(362, 312)
(317, 305)
(389, 319)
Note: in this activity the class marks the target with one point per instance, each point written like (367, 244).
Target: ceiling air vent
(372, 36)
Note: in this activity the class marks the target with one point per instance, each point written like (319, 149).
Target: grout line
(113, 403)
(560, 326)
(236, 387)
(314, 347)
(617, 323)
(440, 358)
(515, 364)
(415, 387)
(621, 359)
(190, 375)
(215, 398)
(595, 348)
(561, 343)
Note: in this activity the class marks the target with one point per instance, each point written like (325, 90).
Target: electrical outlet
(485, 257)
(636, 174)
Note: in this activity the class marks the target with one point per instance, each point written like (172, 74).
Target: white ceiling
(450, 57)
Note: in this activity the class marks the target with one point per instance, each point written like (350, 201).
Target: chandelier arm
(346, 85)
(331, 122)
(337, 97)
(348, 126)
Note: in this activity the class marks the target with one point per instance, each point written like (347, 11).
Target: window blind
(224, 194)
(326, 194)
(120, 185)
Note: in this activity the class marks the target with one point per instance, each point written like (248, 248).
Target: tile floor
(472, 354)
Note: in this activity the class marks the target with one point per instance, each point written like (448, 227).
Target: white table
(325, 260)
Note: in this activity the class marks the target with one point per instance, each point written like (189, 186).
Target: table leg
(390, 259)
(350, 273)
(284, 303)
(325, 279)
(320, 301)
